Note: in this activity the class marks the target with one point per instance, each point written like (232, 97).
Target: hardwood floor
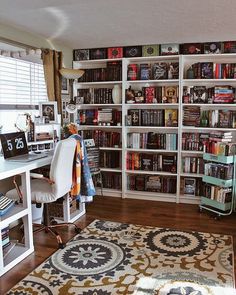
(160, 214)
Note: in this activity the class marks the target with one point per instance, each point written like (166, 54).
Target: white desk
(9, 169)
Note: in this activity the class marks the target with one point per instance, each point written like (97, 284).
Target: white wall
(18, 35)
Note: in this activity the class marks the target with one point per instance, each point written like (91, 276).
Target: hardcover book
(98, 53)
(230, 47)
(171, 118)
(169, 163)
(170, 94)
(207, 70)
(149, 94)
(199, 94)
(169, 49)
(145, 72)
(133, 51)
(189, 186)
(132, 72)
(115, 52)
(81, 54)
(159, 71)
(173, 70)
(212, 48)
(135, 117)
(147, 162)
(140, 183)
(191, 48)
(150, 50)
(153, 184)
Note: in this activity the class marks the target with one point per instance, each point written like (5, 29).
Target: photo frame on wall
(48, 111)
(64, 85)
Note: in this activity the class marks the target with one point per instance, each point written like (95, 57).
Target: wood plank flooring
(160, 214)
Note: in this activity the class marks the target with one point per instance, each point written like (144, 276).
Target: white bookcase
(185, 61)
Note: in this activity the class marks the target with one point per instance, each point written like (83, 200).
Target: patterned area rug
(117, 258)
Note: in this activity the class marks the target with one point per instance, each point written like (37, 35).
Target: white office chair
(46, 190)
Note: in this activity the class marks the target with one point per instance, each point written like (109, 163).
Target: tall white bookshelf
(185, 61)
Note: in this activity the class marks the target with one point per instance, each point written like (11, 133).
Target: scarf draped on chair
(82, 186)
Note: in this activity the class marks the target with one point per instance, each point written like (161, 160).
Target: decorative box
(81, 54)
(191, 48)
(98, 53)
(150, 50)
(115, 52)
(230, 47)
(212, 48)
(133, 51)
(169, 49)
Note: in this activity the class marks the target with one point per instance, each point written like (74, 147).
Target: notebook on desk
(14, 148)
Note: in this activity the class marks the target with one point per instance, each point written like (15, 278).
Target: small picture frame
(64, 85)
(48, 110)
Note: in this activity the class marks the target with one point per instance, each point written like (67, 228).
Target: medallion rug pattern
(117, 258)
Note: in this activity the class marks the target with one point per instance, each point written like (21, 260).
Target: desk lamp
(71, 75)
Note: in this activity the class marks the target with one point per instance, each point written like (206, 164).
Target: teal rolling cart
(215, 201)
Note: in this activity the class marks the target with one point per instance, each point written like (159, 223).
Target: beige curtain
(52, 62)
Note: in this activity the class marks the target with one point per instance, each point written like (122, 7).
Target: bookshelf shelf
(111, 170)
(150, 172)
(179, 105)
(163, 82)
(150, 150)
(110, 149)
(191, 175)
(101, 105)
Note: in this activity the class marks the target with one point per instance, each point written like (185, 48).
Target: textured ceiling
(104, 23)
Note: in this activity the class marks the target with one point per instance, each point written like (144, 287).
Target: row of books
(156, 71)
(151, 162)
(95, 95)
(191, 186)
(99, 117)
(151, 94)
(210, 70)
(152, 140)
(111, 180)
(103, 138)
(155, 50)
(151, 183)
(110, 159)
(193, 165)
(194, 116)
(5, 237)
(222, 171)
(202, 94)
(167, 117)
(214, 143)
(113, 72)
(219, 194)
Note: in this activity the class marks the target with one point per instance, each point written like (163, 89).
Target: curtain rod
(16, 43)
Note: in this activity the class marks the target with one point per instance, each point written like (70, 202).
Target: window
(22, 87)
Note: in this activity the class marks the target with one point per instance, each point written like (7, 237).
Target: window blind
(21, 83)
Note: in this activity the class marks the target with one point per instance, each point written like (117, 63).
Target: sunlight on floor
(147, 285)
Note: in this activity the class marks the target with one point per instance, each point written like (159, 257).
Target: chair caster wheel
(61, 246)
(77, 230)
(200, 210)
(218, 217)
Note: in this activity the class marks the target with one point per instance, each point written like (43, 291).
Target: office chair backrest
(62, 165)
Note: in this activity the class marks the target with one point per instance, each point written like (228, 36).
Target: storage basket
(55, 209)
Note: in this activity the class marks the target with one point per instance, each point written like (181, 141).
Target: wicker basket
(55, 209)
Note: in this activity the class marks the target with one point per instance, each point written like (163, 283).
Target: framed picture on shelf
(64, 85)
(48, 110)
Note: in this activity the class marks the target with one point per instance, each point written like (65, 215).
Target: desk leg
(27, 219)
